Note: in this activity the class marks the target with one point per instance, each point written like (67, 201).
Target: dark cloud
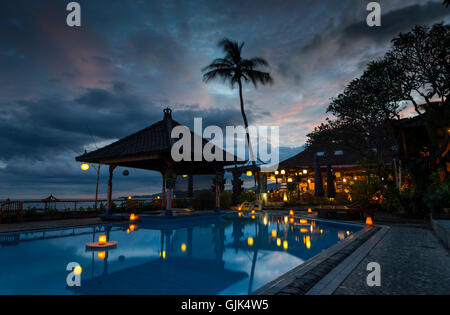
(65, 89)
(394, 22)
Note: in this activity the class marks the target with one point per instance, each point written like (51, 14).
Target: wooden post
(163, 193)
(218, 182)
(217, 195)
(96, 187)
(109, 205)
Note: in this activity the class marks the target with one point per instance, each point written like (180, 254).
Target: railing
(75, 204)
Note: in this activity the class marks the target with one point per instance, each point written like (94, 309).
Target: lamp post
(85, 167)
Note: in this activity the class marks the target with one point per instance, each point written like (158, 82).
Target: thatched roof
(333, 155)
(150, 148)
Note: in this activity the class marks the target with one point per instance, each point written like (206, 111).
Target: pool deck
(413, 261)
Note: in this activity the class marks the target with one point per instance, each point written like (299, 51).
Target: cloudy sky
(64, 90)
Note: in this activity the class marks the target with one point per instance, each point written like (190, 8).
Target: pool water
(235, 255)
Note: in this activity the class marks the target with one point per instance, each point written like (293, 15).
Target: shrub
(226, 199)
(363, 190)
(437, 196)
(247, 196)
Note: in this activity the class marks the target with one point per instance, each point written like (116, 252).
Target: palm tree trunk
(246, 123)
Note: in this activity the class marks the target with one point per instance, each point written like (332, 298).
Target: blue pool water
(195, 256)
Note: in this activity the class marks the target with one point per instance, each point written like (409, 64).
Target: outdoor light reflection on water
(261, 250)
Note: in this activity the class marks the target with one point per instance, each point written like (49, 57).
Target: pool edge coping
(283, 281)
(331, 281)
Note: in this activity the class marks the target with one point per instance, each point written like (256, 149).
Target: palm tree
(235, 70)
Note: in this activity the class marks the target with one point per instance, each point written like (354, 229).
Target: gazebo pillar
(218, 181)
(163, 193)
(109, 202)
(171, 178)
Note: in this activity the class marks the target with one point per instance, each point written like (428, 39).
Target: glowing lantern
(291, 212)
(309, 181)
(253, 211)
(128, 231)
(184, 176)
(321, 231)
(308, 242)
(303, 221)
(369, 221)
(249, 173)
(253, 217)
(129, 197)
(274, 233)
(164, 254)
(291, 220)
(102, 240)
(285, 197)
(265, 220)
(183, 247)
(132, 227)
(250, 241)
(286, 220)
(84, 166)
(290, 180)
(348, 232)
(309, 210)
(133, 217)
(276, 172)
(303, 230)
(101, 255)
(77, 270)
(305, 172)
(283, 172)
(285, 245)
(240, 214)
(344, 180)
(278, 241)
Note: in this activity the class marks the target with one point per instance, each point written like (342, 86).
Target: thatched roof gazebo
(150, 149)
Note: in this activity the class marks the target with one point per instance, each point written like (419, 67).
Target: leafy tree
(235, 69)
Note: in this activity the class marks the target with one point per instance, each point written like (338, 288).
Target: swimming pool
(213, 255)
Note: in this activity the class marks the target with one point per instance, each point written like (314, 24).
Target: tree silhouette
(446, 3)
(234, 69)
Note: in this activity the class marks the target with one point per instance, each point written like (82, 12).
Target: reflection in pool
(198, 256)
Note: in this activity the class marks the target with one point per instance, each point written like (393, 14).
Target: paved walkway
(53, 224)
(412, 261)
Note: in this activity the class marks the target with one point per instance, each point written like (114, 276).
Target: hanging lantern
(283, 172)
(305, 172)
(276, 172)
(101, 255)
(84, 166)
(250, 241)
(369, 221)
(183, 247)
(249, 173)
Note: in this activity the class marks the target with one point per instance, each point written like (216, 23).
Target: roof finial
(167, 113)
